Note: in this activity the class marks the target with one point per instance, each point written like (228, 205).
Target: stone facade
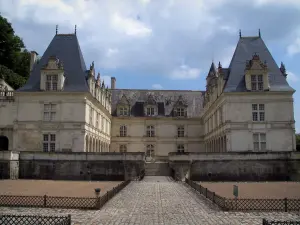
(65, 107)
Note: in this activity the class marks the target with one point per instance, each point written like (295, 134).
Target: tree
(298, 142)
(14, 58)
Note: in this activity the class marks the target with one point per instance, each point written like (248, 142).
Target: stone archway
(4, 143)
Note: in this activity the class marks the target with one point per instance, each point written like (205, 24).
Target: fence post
(69, 219)
(285, 205)
(213, 197)
(265, 222)
(98, 202)
(205, 192)
(45, 200)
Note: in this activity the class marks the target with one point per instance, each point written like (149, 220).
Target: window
(91, 115)
(102, 123)
(150, 151)
(51, 82)
(123, 131)
(257, 83)
(259, 142)
(180, 148)
(123, 111)
(49, 142)
(180, 111)
(180, 131)
(49, 112)
(150, 131)
(258, 112)
(97, 120)
(123, 148)
(150, 111)
(220, 116)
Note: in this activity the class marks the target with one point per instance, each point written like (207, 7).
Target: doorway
(3, 143)
(150, 153)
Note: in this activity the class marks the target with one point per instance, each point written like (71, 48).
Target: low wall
(75, 165)
(236, 166)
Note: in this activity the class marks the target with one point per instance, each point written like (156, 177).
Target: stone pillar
(113, 83)
(33, 58)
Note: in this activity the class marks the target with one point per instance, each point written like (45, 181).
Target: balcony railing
(6, 96)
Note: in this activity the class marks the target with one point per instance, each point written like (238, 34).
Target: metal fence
(242, 204)
(9, 219)
(61, 202)
(266, 222)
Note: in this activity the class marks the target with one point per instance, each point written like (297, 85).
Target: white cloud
(130, 26)
(291, 77)
(184, 72)
(157, 86)
(111, 52)
(294, 48)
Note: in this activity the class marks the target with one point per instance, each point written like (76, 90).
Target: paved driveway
(159, 201)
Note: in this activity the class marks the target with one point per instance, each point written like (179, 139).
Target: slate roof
(246, 48)
(66, 48)
(165, 100)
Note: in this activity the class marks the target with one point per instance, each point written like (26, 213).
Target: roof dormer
(180, 107)
(150, 106)
(52, 75)
(123, 106)
(256, 74)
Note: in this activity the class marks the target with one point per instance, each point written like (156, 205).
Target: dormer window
(257, 83)
(150, 111)
(180, 112)
(123, 111)
(52, 75)
(51, 82)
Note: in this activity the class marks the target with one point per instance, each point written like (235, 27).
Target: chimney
(33, 58)
(113, 83)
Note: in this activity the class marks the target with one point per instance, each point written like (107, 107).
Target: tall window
(97, 120)
(259, 141)
(150, 150)
(123, 148)
(51, 82)
(220, 115)
(180, 111)
(150, 111)
(123, 131)
(123, 111)
(91, 116)
(49, 112)
(49, 142)
(180, 131)
(258, 112)
(102, 123)
(257, 83)
(180, 148)
(150, 131)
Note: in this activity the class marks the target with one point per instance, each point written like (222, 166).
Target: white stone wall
(165, 139)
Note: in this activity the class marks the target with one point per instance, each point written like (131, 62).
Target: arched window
(123, 148)
(3, 143)
(123, 131)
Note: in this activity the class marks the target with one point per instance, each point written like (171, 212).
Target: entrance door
(150, 153)
(3, 143)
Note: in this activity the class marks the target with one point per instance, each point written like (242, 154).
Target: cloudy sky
(162, 44)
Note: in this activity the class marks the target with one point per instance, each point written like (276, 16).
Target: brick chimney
(33, 58)
(113, 83)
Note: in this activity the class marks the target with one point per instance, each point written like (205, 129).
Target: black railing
(9, 219)
(266, 222)
(61, 202)
(242, 204)
(6, 95)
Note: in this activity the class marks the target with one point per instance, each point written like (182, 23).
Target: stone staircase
(157, 169)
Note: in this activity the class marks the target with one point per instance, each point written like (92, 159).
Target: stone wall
(72, 166)
(247, 166)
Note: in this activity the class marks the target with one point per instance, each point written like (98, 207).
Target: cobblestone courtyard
(159, 200)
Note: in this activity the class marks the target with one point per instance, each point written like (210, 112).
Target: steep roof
(244, 51)
(66, 48)
(212, 71)
(165, 100)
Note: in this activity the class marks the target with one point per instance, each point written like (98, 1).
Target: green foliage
(13, 79)
(15, 62)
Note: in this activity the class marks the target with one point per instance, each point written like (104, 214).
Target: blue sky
(162, 44)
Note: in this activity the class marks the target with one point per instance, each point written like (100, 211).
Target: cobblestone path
(159, 201)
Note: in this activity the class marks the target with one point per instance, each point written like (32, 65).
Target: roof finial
(75, 29)
(240, 33)
(259, 33)
(56, 29)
